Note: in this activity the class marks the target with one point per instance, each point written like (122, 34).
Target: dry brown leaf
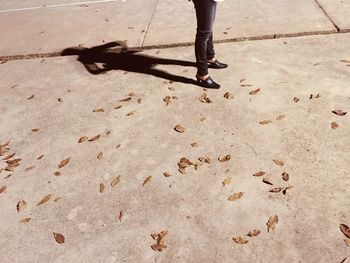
(285, 189)
(31, 97)
(118, 146)
(246, 85)
(139, 100)
(264, 122)
(278, 162)
(83, 139)
(166, 174)
(171, 88)
(224, 158)
(272, 222)
(116, 181)
(179, 128)
(121, 216)
(102, 187)
(21, 205)
(131, 113)
(339, 112)
(228, 96)
(99, 156)
(227, 181)
(35, 130)
(276, 190)
(29, 168)
(158, 247)
(57, 199)
(258, 174)
(41, 156)
(254, 233)
(95, 138)
(194, 144)
(285, 176)
(99, 110)
(267, 180)
(118, 107)
(57, 173)
(59, 238)
(167, 100)
(334, 125)
(125, 100)
(296, 99)
(25, 220)
(147, 180)
(64, 163)
(345, 229)
(204, 98)
(9, 157)
(253, 92)
(235, 196)
(45, 199)
(280, 117)
(240, 240)
(3, 189)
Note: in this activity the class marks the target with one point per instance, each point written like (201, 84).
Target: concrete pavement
(107, 194)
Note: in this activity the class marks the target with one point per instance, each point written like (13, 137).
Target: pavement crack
(327, 15)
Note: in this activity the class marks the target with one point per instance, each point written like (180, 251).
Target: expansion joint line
(148, 24)
(326, 14)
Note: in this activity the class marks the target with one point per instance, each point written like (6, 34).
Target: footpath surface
(91, 165)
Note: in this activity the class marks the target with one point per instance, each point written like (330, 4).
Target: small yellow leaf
(102, 187)
(264, 122)
(147, 180)
(227, 181)
(116, 181)
(44, 199)
(235, 196)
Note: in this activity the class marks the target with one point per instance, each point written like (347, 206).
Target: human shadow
(117, 56)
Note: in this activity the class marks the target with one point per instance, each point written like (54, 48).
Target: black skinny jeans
(204, 48)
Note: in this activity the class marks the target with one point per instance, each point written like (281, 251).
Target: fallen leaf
(345, 260)
(272, 222)
(102, 188)
(83, 139)
(194, 144)
(160, 240)
(25, 220)
(31, 97)
(339, 112)
(204, 98)
(131, 113)
(21, 205)
(116, 181)
(235, 196)
(57, 173)
(246, 85)
(158, 247)
(267, 180)
(204, 160)
(253, 92)
(41, 156)
(99, 110)
(45, 199)
(3, 189)
(345, 229)
(171, 88)
(95, 138)
(35, 130)
(125, 100)
(285, 176)
(280, 117)
(179, 128)
(118, 146)
(285, 189)
(121, 216)
(167, 100)
(118, 107)
(131, 94)
(166, 174)
(334, 125)
(242, 80)
(258, 174)
(254, 233)
(139, 101)
(99, 156)
(29, 168)
(147, 180)
(224, 158)
(228, 96)
(227, 181)
(264, 122)
(278, 162)
(240, 240)
(276, 190)
(64, 163)
(59, 238)
(57, 199)
(9, 156)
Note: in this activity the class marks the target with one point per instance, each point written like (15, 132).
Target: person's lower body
(204, 47)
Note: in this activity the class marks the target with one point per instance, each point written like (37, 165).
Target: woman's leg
(205, 12)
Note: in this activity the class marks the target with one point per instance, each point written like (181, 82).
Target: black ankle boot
(208, 83)
(217, 65)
